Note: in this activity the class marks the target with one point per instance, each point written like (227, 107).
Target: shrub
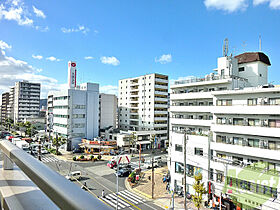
(74, 158)
(82, 157)
(91, 157)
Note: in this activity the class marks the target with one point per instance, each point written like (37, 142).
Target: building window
(241, 69)
(178, 148)
(179, 168)
(220, 176)
(198, 151)
(252, 102)
(224, 102)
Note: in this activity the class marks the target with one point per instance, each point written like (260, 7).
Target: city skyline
(118, 40)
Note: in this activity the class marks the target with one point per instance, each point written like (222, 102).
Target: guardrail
(63, 193)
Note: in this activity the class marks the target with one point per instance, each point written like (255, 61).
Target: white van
(158, 159)
(74, 175)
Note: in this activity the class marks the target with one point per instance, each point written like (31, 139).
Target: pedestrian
(167, 186)
(103, 194)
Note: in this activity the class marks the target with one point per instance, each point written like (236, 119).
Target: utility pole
(139, 156)
(153, 170)
(117, 206)
(39, 151)
(185, 166)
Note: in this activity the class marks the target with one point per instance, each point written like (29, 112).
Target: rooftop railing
(207, 78)
(63, 193)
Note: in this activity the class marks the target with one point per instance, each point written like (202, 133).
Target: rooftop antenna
(225, 47)
(260, 43)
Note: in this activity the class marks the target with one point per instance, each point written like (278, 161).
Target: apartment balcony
(160, 112)
(161, 80)
(160, 125)
(134, 119)
(30, 184)
(200, 109)
(246, 151)
(196, 122)
(210, 80)
(247, 130)
(195, 95)
(161, 106)
(239, 109)
(161, 87)
(160, 118)
(161, 93)
(161, 99)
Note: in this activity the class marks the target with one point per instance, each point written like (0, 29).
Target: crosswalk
(48, 159)
(125, 200)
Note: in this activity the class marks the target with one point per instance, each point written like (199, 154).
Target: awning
(143, 142)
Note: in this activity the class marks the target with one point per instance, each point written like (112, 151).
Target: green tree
(198, 186)
(132, 140)
(9, 123)
(21, 126)
(57, 142)
(30, 130)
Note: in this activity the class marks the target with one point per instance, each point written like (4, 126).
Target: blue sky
(127, 38)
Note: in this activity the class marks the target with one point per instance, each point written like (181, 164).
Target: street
(99, 177)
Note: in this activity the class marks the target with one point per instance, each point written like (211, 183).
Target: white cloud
(110, 60)
(89, 57)
(226, 5)
(52, 58)
(109, 89)
(81, 29)
(38, 13)
(16, 11)
(39, 57)
(13, 70)
(4, 45)
(273, 4)
(42, 29)
(165, 58)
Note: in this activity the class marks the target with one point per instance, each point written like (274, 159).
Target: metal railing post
(8, 163)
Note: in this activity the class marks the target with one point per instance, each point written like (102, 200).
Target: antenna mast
(225, 47)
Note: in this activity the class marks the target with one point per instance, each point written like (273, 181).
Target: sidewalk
(162, 197)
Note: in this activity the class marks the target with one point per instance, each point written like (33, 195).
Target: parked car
(123, 172)
(74, 175)
(77, 150)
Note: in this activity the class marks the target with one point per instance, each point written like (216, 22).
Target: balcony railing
(63, 193)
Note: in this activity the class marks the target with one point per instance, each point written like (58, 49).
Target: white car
(74, 175)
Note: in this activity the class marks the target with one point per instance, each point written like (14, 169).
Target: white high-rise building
(24, 101)
(143, 105)
(108, 105)
(231, 124)
(74, 113)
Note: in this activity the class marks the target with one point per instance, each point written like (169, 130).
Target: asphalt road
(99, 177)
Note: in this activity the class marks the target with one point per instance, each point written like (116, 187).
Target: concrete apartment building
(108, 105)
(74, 112)
(230, 122)
(10, 107)
(4, 106)
(24, 101)
(143, 106)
